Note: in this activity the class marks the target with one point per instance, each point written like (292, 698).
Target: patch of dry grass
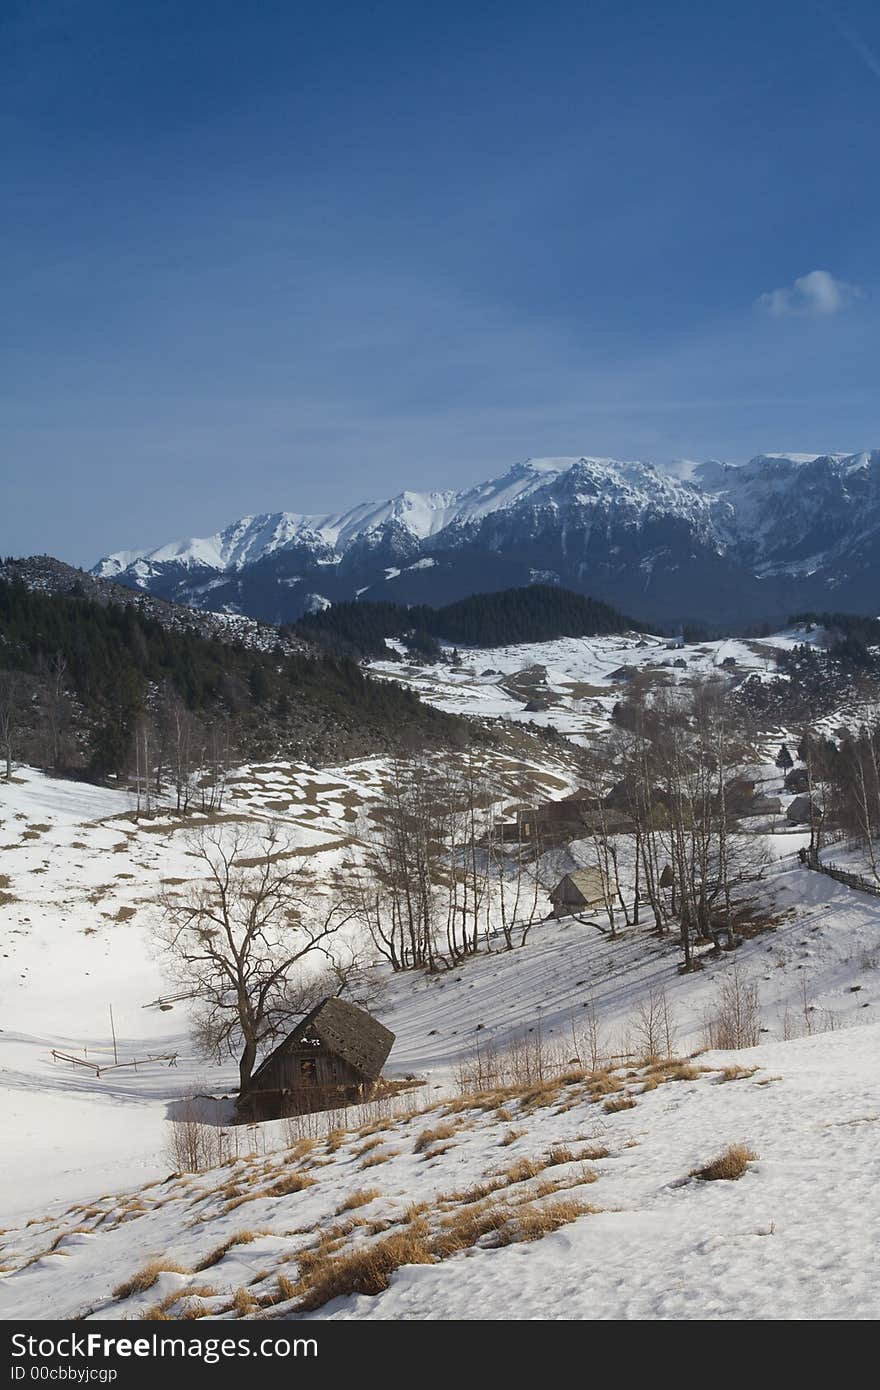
(367, 1147)
(437, 1150)
(523, 1169)
(559, 1153)
(416, 1209)
(510, 1138)
(533, 1222)
(593, 1152)
(146, 1277)
(736, 1073)
(359, 1198)
(429, 1137)
(374, 1160)
(216, 1255)
(616, 1104)
(366, 1270)
(286, 1288)
(160, 1312)
(675, 1069)
(728, 1166)
(603, 1083)
(291, 1182)
(301, 1148)
(462, 1229)
(244, 1303)
(581, 1178)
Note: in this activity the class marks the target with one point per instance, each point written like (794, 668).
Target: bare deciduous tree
(734, 1020)
(234, 939)
(11, 699)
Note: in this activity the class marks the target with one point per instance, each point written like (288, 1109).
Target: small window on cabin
(308, 1070)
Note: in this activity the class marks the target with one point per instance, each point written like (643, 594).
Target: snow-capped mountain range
(711, 541)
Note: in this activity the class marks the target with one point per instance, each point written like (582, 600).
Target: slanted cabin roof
(343, 1029)
(583, 883)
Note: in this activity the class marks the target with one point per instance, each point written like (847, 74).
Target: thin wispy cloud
(854, 39)
(815, 295)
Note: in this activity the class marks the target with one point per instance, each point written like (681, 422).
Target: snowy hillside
(583, 1194)
(573, 1182)
(78, 897)
(573, 683)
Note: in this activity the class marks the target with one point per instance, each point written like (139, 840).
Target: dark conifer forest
(537, 613)
(100, 668)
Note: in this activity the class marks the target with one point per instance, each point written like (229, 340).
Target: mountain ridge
(668, 546)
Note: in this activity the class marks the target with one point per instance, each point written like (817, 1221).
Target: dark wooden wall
(322, 1069)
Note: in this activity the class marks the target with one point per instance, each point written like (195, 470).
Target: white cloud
(816, 295)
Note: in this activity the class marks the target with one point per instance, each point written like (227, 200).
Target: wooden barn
(802, 811)
(580, 891)
(333, 1057)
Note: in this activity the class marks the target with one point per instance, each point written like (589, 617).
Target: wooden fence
(864, 885)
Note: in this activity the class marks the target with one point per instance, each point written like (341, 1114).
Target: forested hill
(79, 678)
(538, 613)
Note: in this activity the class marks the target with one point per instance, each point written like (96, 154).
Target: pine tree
(784, 760)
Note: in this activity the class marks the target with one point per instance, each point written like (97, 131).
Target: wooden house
(572, 818)
(333, 1057)
(798, 780)
(580, 891)
(801, 811)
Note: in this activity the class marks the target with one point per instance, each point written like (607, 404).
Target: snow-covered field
(79, 878)
(578, 678)
(461, 1204)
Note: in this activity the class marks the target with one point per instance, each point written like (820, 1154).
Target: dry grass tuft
(612, 1107)
(682, 1071)
(523, 1169)
(301, 1149)
(736, 1073)
(359, 1198)
(216, 1255)
(533, 1222)
(375, 1159)
(462, 1229)
(428, 1137)
(367, 1270)
(542, 1093)
(503, 1224)
(287, 1289)
(510, 1138)
(728, 1166)
(160, 1311)
(603, 1084)
(240, 1200)
(550, 1185)
(437, 1150)
(560, 1154)
(191, 1312)
(367, 1147)
(468, 1195)
(593, 1152)
(244, 1303)
(146, 1277)
(291, 1182)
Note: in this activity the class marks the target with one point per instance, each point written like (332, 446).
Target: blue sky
(289, 255)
